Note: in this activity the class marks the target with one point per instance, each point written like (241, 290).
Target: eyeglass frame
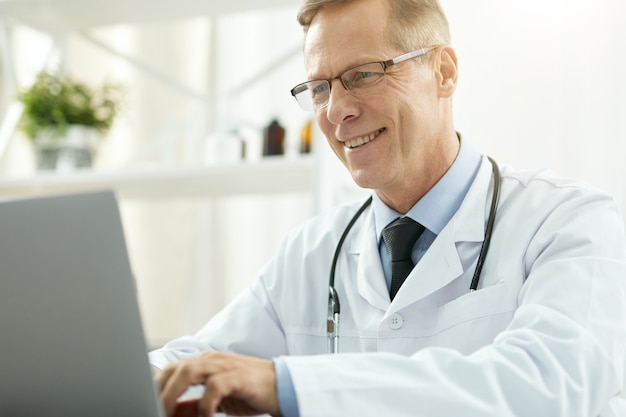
(385, 64)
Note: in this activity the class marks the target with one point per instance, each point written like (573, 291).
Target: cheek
(328, 131)
(325, 126)
(322, 121)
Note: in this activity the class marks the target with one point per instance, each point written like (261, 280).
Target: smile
(360, 141)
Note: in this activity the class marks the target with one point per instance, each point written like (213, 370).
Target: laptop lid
(71, 340)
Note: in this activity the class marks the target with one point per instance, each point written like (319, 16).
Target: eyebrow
(346, 68)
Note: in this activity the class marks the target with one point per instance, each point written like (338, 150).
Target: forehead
(346, 34)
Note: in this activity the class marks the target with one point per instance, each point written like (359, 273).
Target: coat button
(395, 321)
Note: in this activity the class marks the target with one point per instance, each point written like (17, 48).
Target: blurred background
(541, 85)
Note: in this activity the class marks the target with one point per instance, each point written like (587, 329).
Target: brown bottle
(306, 136)
(273, 139)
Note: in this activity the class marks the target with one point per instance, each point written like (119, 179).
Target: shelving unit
(272, 176)
(78, 16)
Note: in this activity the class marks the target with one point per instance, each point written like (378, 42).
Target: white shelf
(274, 175)
(82, 14)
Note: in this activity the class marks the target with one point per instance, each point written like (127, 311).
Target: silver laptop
(71, 340)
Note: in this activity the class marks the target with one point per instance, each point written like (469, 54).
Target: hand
(234, 384)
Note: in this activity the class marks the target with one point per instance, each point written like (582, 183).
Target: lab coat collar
(470, 220)
(439, 266)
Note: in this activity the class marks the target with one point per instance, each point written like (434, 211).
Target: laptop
(71, 339)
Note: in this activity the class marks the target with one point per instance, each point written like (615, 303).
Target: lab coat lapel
(442, 263)
(370, 278)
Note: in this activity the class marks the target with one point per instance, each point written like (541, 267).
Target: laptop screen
(71, 339)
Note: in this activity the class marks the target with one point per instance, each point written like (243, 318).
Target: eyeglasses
(360, 80)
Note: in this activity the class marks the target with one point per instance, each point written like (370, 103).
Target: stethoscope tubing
(484, 249)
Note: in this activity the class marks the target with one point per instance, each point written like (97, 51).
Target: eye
(363, 76)
(356, 78)
(319, 89)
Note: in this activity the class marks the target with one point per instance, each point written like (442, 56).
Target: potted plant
(65, 119)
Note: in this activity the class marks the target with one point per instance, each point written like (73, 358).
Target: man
(542, 335)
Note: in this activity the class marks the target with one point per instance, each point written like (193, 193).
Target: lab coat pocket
(474, 319)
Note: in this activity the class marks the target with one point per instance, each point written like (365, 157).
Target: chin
(364, 180)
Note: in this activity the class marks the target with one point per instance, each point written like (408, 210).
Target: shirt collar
(437, 207)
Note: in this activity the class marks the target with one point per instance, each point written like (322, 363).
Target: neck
(404, 196)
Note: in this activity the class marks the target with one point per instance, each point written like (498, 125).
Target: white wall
(542, 84)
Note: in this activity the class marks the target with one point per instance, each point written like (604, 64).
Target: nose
(342, 106)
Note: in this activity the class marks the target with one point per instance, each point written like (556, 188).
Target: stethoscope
(332, 320)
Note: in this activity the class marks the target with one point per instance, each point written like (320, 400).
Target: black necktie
(400, 235)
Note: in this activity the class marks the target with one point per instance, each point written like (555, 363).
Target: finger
(163, 376)
(216, 389)
(227, 392)
(162, 380)
(178, 379)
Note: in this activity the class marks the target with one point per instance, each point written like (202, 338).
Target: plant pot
(72, 151)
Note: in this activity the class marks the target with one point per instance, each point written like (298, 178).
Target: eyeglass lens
(357, 80)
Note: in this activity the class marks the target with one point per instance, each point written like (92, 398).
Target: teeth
(362, 140)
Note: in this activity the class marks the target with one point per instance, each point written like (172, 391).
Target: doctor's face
(385, 138)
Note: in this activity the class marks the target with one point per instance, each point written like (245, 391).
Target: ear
(446, 71)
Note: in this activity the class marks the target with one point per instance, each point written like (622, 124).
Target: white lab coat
(544, 335)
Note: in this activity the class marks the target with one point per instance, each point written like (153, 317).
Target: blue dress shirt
(433, 211)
